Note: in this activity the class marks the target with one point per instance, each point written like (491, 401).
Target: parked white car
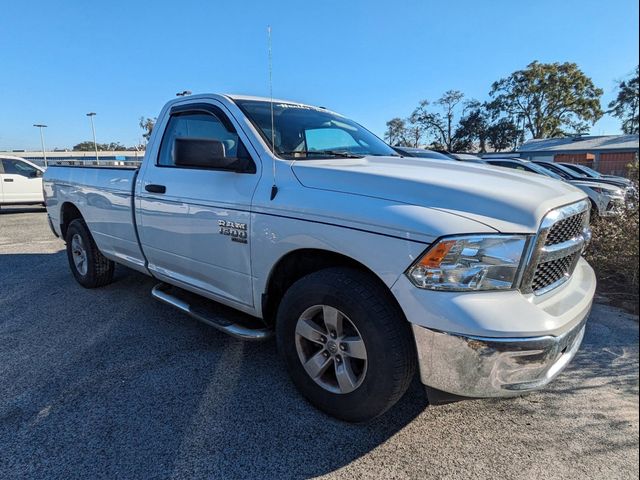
(608, 199)
(364, 264)
(20, 181)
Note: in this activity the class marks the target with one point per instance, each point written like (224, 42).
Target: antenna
(274, 188)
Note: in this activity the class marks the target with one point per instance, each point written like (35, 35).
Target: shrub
(613, 253)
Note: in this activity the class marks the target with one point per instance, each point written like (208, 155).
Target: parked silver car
(593, 174)
(606, 199)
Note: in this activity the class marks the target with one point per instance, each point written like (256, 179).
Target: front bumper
(497, 344)
(613, 206)
(472, 366)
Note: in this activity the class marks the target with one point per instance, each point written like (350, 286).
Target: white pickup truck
(363, 263)
(20, 181)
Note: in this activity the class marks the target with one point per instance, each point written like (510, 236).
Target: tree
(503, 134)
(439, 125)
(472, 127)
(84, 147)
(414, 134)
(449, 101)
(625, 106)
(113, 146)
(147, 124)
(551, 97)
(396, 133)
(432, 123)
(88, 146)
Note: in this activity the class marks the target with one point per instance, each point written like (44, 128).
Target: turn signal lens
(434, 257)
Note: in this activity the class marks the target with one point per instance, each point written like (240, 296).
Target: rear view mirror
(203, 153)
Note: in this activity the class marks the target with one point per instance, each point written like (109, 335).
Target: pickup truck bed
(105, 194)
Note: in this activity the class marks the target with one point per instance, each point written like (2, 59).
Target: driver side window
(16, 167)
(198, 125)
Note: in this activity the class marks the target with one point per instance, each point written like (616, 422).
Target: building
(609, 154)
(79, 158)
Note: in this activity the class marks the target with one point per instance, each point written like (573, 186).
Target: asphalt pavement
(110, 383)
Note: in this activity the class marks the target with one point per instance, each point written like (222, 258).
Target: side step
(161, 292)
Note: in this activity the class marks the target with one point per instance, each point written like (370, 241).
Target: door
(21, 182)
(194, 221)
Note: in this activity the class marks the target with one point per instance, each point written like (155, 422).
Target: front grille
(548, 273)
(566, 229)
(558, 246)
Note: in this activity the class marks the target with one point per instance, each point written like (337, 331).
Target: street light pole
(93, 130)
(44, 154)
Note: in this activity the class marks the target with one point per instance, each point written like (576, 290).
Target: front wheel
(347, 346)
(89, 266)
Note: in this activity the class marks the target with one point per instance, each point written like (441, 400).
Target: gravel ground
(111, 384)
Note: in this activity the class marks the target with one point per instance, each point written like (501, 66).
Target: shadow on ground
(111, 383)
(8, 210)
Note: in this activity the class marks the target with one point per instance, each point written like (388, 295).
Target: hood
(595, 183)
(608, 181)
(506, 200)
(616, 178)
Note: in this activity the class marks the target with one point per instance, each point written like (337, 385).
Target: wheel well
(68, 213)
(299, 263)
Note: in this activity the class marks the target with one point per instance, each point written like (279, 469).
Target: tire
(96, 270)
(367, 312)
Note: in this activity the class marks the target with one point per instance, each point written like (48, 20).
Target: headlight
(608, 192)
(474, 262)
(616, 193)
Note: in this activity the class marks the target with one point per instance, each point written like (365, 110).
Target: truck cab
(20, 181)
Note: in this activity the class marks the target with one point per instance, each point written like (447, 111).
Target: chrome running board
(234, 329)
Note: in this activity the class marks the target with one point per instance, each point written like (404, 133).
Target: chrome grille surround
(563, 235)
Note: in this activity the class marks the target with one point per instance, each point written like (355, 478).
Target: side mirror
(204, 153)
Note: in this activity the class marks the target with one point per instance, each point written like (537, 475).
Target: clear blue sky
(370, 60)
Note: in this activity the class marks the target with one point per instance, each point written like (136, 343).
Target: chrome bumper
(471, 366)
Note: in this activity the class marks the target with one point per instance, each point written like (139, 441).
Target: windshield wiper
(332, 153)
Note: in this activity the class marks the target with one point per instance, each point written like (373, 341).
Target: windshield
(589, 171)
(432, 155)
(466, 157)
(564, 172)
(420, 153)
(543, 171)
(305, 132)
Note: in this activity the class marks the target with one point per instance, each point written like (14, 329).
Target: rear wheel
(348, 348)
(90, 268)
